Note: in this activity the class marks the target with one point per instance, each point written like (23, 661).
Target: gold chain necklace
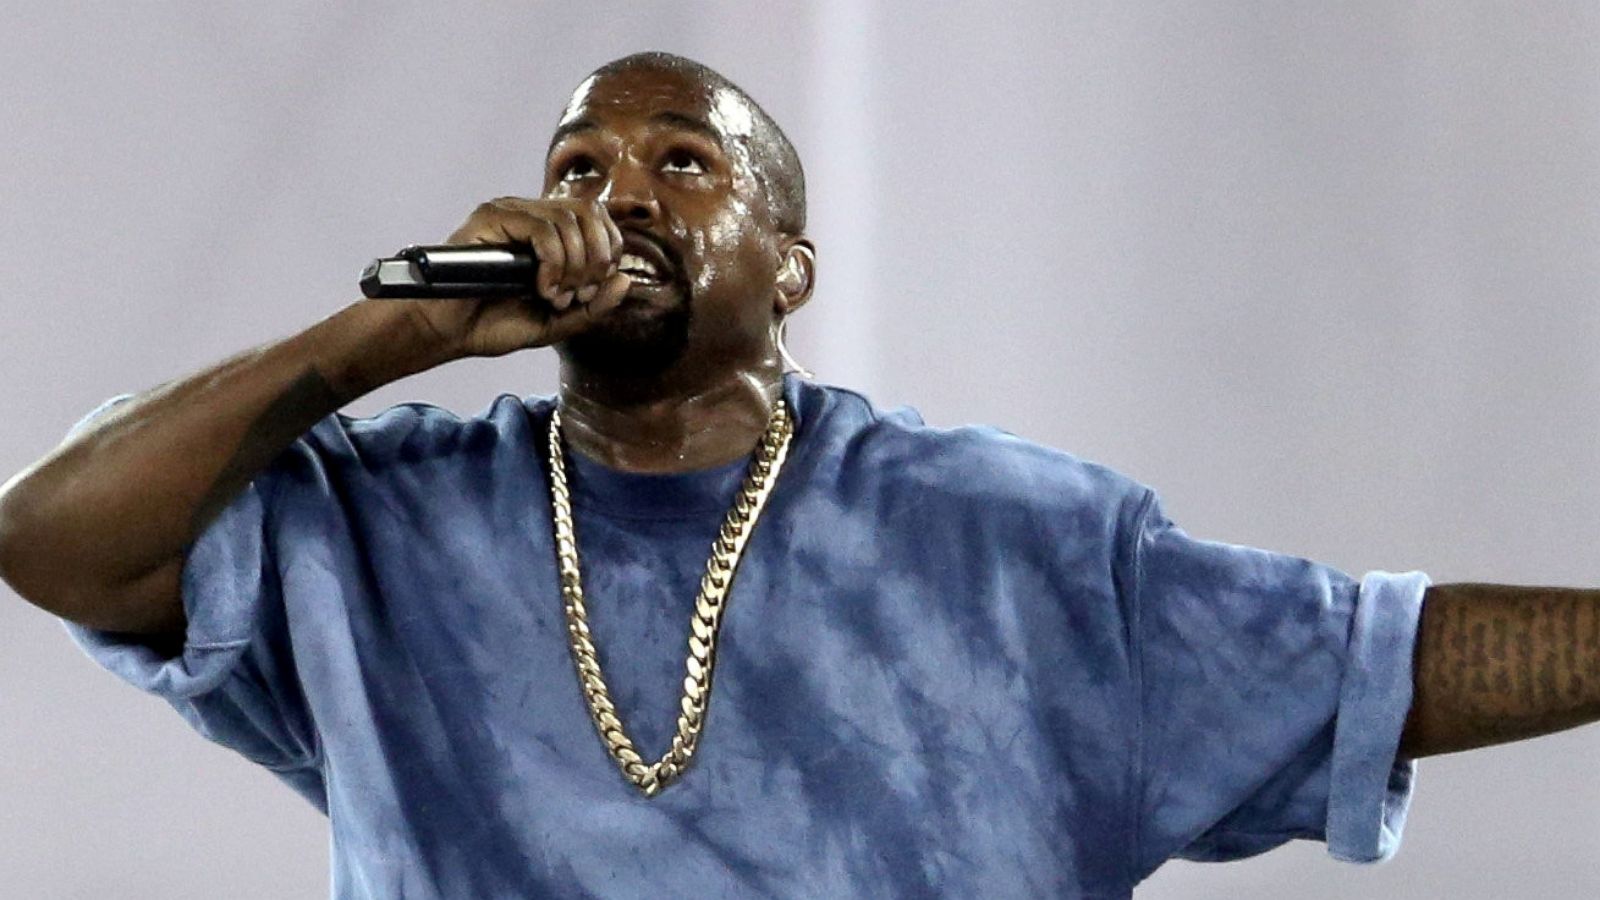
(703, 626)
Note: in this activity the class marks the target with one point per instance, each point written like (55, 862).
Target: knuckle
(486, 208)
(547, 238)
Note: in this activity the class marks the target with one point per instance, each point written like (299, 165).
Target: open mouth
(644, 262)
(641, 270)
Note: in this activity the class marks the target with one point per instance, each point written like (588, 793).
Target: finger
(518, 220)
(501, 220)
(566, 222)
(616, 237)
(482, 218)
(611, 292)
(581, 317)
(550, 250)
(597, 246)
(613, 237)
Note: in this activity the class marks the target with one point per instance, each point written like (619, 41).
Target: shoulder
(419, 433)
(978, 465)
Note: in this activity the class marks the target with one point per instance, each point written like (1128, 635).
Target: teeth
(633, 264)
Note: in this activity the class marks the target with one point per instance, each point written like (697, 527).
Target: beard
(633, 341)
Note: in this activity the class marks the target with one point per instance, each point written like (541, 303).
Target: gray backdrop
(1325, 277)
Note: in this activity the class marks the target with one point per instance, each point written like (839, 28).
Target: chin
(636, 339)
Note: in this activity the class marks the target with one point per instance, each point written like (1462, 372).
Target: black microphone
(446, 270)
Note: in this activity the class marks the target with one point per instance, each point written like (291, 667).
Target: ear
(797, 275)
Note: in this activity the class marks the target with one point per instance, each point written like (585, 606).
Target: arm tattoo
(1497, 663)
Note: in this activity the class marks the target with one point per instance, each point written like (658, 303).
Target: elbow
(31, 559)
(24, 559)
(14, 537)
(44, 559)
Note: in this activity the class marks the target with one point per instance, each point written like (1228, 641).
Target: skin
(97, 530)
(1497, 663)
(667, 380)
(665, 154)
(1494, 663)
(651, 381)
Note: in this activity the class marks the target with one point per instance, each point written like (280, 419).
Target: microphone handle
(446, 270)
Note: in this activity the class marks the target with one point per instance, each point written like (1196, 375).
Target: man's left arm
(1496, 663)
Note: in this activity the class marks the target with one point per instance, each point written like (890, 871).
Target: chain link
(703, 625)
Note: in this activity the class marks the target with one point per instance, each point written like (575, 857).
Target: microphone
(452, 270)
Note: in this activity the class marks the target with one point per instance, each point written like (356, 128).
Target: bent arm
(1497, 663)
(96, 530)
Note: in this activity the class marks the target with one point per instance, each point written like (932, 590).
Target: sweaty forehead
(643, 93)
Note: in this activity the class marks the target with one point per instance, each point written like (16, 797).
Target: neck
(662, 426)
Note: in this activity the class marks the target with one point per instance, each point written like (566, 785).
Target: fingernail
(566, 298)
(586, 293)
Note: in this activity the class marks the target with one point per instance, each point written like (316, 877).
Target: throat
(676, 433)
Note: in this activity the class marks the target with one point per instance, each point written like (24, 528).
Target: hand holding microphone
(484, 284)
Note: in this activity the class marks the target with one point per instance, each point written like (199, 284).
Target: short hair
(778, 168)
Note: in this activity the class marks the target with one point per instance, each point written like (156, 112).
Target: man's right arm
(96, 530)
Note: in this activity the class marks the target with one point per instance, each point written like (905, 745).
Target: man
(946, 661)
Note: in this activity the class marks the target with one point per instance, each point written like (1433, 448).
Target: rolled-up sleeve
(234, 680)
(1272, 692)
(1369, 783)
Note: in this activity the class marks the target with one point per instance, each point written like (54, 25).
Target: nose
(629, 198)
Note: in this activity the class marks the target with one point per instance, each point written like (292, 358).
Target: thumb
(581, 316)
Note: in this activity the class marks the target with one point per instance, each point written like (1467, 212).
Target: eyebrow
(674, 119)
(568, 129)
(688, 123)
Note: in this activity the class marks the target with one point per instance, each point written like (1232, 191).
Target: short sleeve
(235, 681)
(1272, 693)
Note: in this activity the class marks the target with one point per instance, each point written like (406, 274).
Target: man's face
(671, 160)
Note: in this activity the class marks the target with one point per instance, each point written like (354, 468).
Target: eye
(683, 162)
(579, 168)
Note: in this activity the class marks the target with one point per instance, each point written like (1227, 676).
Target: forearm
(121, 501)
(1497, 663)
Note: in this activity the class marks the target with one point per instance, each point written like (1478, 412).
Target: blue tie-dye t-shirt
(953, 663)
